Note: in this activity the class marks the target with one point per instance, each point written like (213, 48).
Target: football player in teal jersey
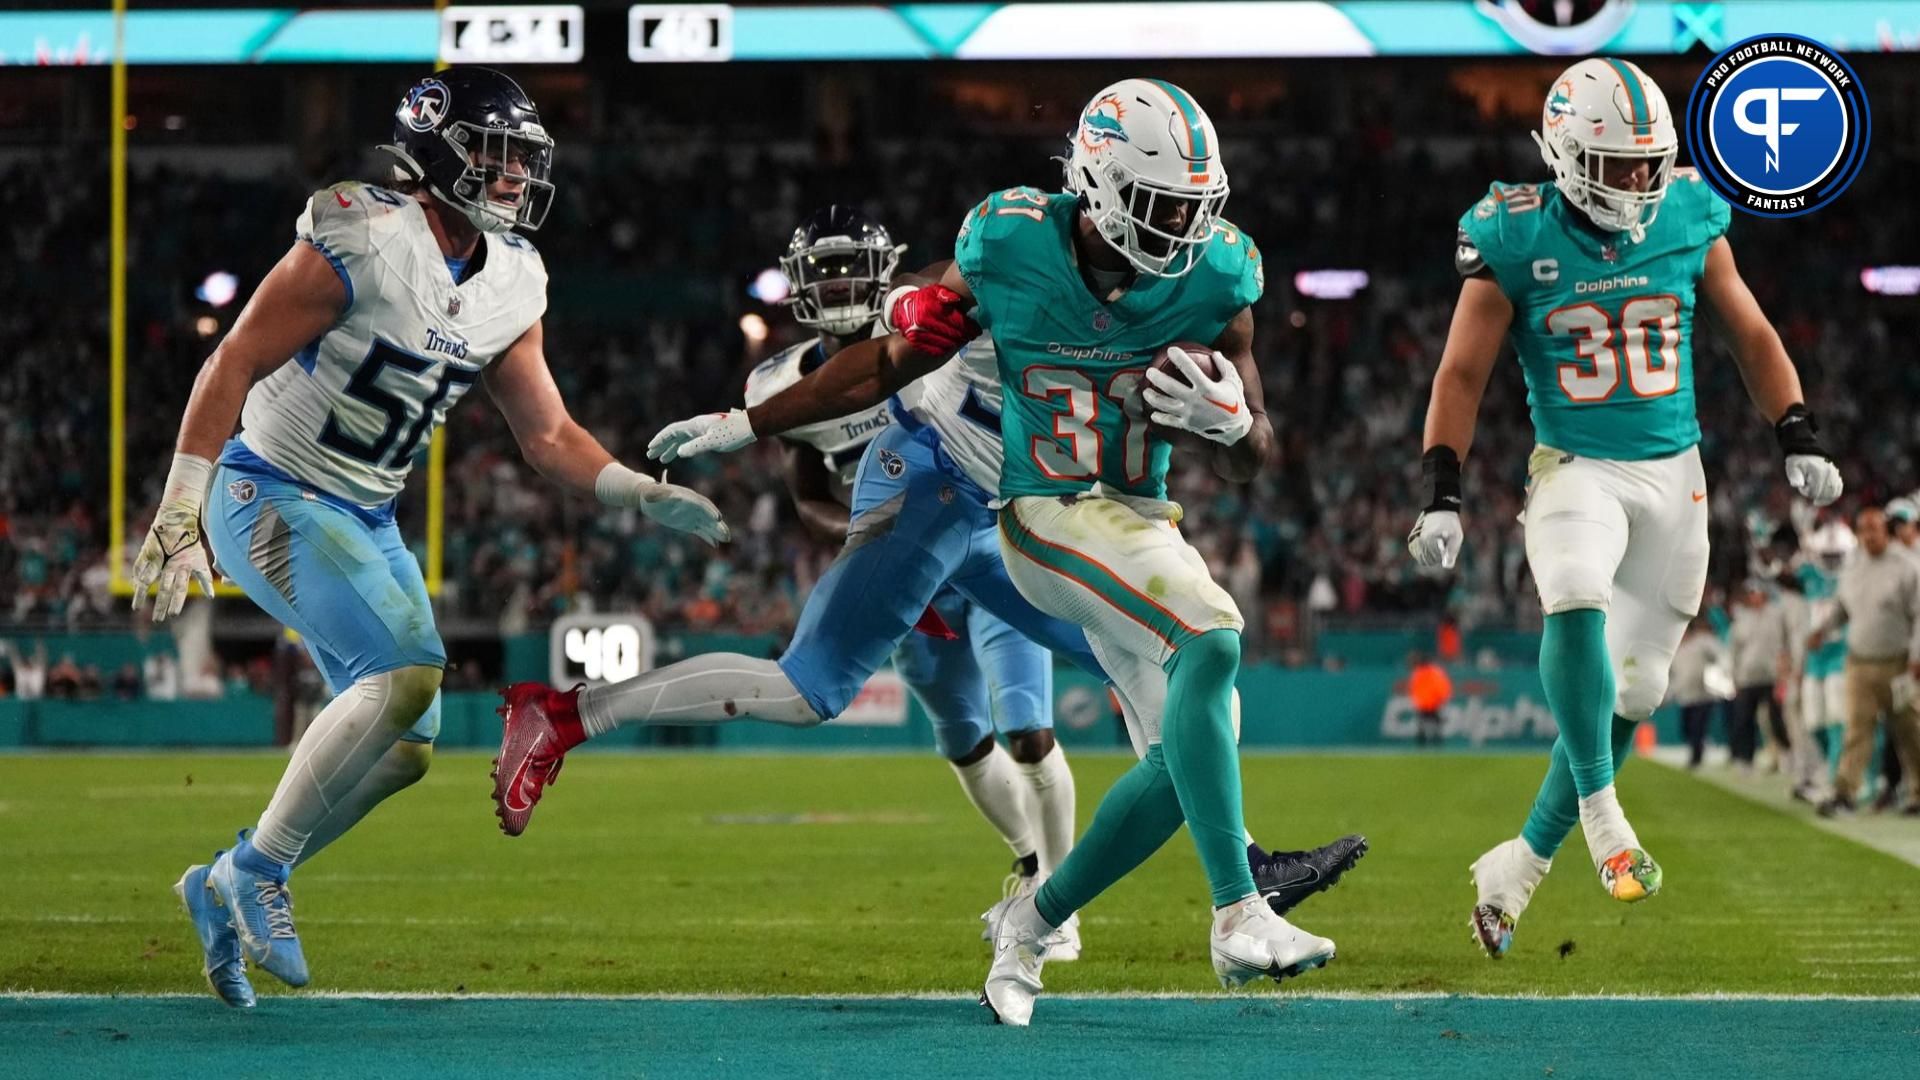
(1593, 277)
(1080, 289)
(1823, 681)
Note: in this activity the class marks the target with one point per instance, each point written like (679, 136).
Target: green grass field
(847, 875)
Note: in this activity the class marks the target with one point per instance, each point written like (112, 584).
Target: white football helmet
(1143, 150)
(1603, 112)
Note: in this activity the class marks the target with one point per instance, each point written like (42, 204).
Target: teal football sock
(1138, 815)
(1578, 679)
(1557, 807)
(1203, 758)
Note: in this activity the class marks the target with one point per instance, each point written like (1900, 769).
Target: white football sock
(999, 792)
(1051, 784)
(398, 768)
(340, 748)
(1605, 825)
(712, 689)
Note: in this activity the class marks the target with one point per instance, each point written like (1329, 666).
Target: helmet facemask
(1132, 213)
(492, 154)
(1581, 173)
(839, 283)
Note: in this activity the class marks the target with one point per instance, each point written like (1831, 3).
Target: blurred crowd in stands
(651, 250)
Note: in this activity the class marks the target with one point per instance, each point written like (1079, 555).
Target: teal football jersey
(1603, 326)
(1820, 587)
(1068, 361)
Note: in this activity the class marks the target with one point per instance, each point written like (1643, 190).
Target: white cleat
(1019, 950)
(1250, 941)
(1504, 878)
(1063, 945)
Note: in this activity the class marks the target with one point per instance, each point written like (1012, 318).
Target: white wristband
(188, 480)
(618, 485)
(886, 306)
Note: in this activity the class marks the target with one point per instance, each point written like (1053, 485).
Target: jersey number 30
(364, 385)
(1599, 338)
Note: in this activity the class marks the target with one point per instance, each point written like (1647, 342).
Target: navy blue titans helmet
(458, 131)
(839, 262)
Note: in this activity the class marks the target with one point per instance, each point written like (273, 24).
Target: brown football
(1202, 356)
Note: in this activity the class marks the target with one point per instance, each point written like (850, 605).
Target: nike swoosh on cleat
(342, 199)
(1303, 874)
(513, 787)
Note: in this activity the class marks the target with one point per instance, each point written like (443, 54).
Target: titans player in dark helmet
(391, 304)
(972, 671)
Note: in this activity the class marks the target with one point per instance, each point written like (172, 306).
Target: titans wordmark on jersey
(1603, 326)
(355, 406)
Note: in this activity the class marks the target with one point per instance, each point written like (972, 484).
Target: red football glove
(933, 319)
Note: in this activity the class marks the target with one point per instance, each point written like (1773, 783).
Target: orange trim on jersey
(1012, 515)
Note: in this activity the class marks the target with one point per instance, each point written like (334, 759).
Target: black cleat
(1285, 878)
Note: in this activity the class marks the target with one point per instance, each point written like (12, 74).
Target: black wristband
(1440, 468)
(1798, 434)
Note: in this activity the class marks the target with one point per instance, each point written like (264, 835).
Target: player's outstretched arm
(1771, 380)
(1480, 321)
(930, 325)
(296, 303)
(555, 444)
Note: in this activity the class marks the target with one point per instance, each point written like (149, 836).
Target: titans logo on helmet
(426, 104)
(1778, 125)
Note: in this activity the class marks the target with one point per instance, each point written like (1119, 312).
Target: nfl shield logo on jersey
(453, 305)
(1102, 320)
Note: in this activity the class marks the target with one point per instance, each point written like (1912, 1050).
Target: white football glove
(1815, 478)
(1213, 408)
(713, 433)
(1436, 538)
(678, 508)
(171, 554)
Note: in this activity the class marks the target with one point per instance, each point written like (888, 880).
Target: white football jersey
(841, 441)
(355, 407)
(960, 401)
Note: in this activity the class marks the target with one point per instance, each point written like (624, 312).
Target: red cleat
(542, 724)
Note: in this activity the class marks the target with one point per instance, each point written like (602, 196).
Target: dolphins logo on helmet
(1101, 122)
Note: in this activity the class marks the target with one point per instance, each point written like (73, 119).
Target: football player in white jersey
(988, 675)
(390, 305)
